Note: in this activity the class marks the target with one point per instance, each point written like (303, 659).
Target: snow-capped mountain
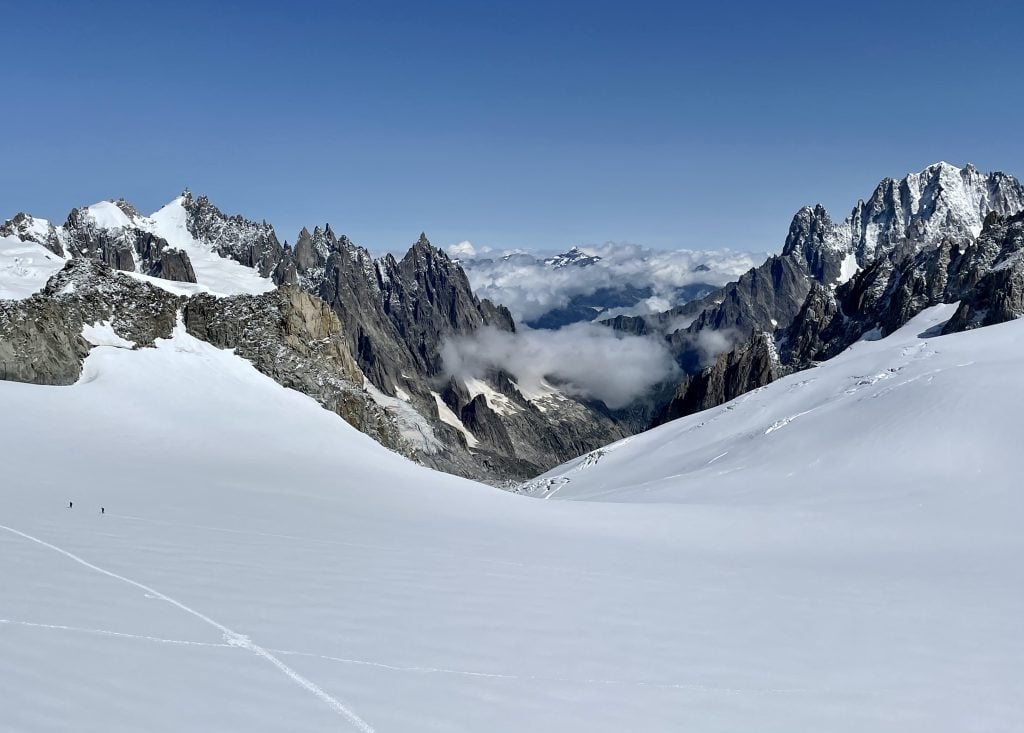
(162, 245)
(926, 239)
(900, 219)
(575, 257)
(943, 235)
(393, 317)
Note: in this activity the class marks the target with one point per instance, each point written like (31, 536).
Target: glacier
(838, 551)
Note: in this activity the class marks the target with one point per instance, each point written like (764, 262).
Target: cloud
(647, 306)
(529, 288)
(584, 359)
(462, 249)
(712, 343)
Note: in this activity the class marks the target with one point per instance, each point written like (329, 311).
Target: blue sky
(528, 124)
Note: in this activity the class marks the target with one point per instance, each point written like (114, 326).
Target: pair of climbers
(71, 505)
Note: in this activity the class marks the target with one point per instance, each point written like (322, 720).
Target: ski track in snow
(231, 637)
(423, 669)
(118, 634)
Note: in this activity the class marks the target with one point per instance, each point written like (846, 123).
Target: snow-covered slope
(914, 414)
(25, 267)
(262, 566)
(218, 275)
(118, 222)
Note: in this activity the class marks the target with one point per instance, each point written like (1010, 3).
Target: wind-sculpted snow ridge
(853, 569)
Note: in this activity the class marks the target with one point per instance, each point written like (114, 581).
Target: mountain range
(360, 335)
(365, 337)
(943, 235)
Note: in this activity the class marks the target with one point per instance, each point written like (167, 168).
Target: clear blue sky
(526, 124)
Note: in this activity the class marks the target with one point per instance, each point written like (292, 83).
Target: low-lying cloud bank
(530, 287)
(584, 359)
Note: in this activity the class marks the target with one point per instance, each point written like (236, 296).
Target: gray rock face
(753, 364)
(818, 323)
(40, 343)
(288, 334)
(251, 244)
(994, 293)
(296, 340)
(41, 337)
(160, 260)
(485, 424)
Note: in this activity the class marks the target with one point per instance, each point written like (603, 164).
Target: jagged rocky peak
(922, 209)
(253, 244)
(913, 243)
(312, 250)
(127, 209)
(814, 239)
(992, 288)
(422, 256)
(903, 216)
(29, 228)
(443, 289)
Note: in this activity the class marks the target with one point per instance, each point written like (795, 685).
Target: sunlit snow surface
(215, 274)
(25, 267)
(838, 552)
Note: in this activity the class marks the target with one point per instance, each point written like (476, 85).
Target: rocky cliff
(377, 363)
(939, 236)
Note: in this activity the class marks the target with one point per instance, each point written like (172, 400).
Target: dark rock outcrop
(41, 338)
(247, 242)
(753, 364)
(485, 424)
(995, 293)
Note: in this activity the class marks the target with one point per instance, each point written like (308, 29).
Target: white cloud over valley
(584, 359)
(530, 288)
